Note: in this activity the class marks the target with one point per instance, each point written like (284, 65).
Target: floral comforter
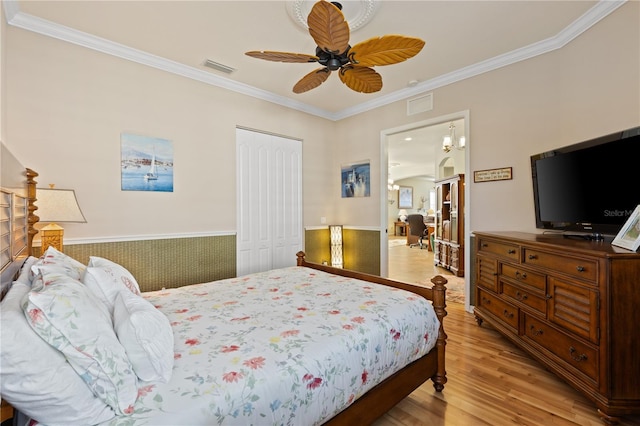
(291, 346)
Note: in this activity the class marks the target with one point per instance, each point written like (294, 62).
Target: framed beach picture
(356, 180)
(629, 235)
(146, 163)
(405, 197)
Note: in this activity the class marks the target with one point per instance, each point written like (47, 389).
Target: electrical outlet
(323, 220)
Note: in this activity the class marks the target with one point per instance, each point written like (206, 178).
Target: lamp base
(51, 235)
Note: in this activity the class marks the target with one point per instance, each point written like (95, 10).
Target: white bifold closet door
(269, 201)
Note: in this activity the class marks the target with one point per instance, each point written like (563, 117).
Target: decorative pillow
(146, 335)
(53, 257)
(37, 379)
(26, 274)
(69, 317)
(106, 279)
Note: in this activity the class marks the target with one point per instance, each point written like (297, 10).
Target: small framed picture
(629, 235)
(405, 197)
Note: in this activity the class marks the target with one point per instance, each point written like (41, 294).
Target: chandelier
(450, 140)
(390, 188)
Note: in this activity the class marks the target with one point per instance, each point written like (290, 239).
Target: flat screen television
(588, 189)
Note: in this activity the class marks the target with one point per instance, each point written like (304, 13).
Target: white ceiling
(463, 39)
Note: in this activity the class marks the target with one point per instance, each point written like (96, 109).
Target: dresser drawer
(487, 272)
(506, 312)
(585, 269)
(506, 250)
(574, 308)
(572, 351)
(524, 296)
(525, 277)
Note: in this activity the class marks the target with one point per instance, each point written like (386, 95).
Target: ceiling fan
(330, 31)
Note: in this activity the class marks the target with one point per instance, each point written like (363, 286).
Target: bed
(308, 344)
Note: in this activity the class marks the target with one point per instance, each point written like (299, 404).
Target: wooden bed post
(300, 256)
(439, 305)
(32, 218)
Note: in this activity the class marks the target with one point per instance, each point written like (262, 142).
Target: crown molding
(28, 22)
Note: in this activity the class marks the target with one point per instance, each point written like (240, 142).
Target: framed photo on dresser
(629, 235)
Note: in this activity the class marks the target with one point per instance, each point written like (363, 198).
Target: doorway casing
(384, 204)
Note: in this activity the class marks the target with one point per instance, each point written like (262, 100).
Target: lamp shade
(58, 205)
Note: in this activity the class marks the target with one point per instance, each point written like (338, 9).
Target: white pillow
(146, 335)
(37, 379)
(69, 317)
(53, 257)
(106, 279)
(26, 274)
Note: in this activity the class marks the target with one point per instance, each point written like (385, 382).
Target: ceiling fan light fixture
(330, 32)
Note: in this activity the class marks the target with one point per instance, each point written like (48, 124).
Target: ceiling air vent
(422, 103)
(218, 66)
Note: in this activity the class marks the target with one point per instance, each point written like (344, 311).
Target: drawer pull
(486, 301)
(521, 296)
(521, 276)
(485, 245)
(507, 314)
(535, 332)
(580, 269)
(533, 256)
(511, 251)
(579, 358)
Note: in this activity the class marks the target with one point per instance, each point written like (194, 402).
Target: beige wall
(586, 89)
(3, 26)
(68, 106)
(65, 107)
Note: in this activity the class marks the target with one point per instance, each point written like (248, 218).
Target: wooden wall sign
(492, 174)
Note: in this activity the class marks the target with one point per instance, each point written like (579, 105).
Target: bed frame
(20, 221)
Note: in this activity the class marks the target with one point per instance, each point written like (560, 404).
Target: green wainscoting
(316, 246)
(361, 249)
(172, 262)
(175, 262)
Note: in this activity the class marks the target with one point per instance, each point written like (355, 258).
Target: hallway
(414, 265)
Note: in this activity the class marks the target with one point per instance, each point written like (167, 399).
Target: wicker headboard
(17, 217)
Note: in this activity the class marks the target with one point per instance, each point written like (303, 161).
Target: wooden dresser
(574, 305)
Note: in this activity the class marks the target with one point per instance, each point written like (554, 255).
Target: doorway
(430, 133)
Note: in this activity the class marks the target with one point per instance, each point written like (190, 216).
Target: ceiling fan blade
(312, 80)
(385, 50)
(328, 28)
(282, 56)
(361, 79)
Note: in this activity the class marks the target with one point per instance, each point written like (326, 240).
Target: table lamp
(56, 205)
(402, 215)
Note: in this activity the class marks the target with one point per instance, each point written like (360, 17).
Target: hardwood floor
(490, 382)
(412, 265)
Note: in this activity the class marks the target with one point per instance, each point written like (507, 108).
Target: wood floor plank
(490, 380)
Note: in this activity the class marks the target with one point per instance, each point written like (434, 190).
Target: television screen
(590, 187)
